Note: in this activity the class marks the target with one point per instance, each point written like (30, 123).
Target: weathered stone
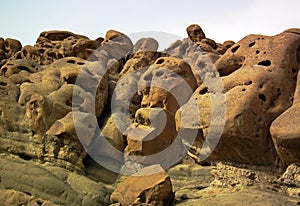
(16, 66)
(116, 44)
(166, 79)
(149, 135)
(48, 184)
(285, 131)
(195, 32)
(146, 186)
(84, 48)
(256, 94)
(113, 135)
(145, 44)
(12, 46)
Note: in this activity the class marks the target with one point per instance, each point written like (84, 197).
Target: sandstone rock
(200, 61)
(165, 80)
(8, 48)
(149, 135)
(44, 184)
(12, 197)
(285, 131)
(116, 44)
(12, 46)
(84, 48)
(195, 32)
(53, 45)
(291, 177)
(145, 44)
(261, 81)
(222, 48)
(139, 61)
(153, 189)
(16, 66)
(112, 133)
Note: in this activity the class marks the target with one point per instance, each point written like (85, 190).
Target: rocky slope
(231, 107)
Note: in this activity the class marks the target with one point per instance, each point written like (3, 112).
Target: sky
(221, 20)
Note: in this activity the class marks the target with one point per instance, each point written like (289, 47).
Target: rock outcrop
(285, 131)
(153, 189)
(255, 73)
(61, 97)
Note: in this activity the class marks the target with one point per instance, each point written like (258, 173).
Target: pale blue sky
(220, 20)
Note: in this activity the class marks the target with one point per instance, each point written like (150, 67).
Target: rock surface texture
(66, 96)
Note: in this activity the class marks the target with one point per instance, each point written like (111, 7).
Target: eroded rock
(153, 189)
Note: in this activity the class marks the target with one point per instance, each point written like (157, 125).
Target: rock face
(42, 101)
(66, 94)
(255, 71)
(54, 45)
(8, 48)
(154, 189)
(285, 131)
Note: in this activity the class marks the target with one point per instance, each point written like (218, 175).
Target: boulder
(285, 131)
(195, 32)
(256, 91)
(116, 44)
(147, 186)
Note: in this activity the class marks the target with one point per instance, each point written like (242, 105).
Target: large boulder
(285, 131)
(146, 186)
(257, 89)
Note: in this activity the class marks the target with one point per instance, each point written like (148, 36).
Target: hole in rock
(235, 49)
(257, 52)
(248, 83)
(265, 63)
(243, 90)
(28, 193)
(262, 97)
(252, 44)
(148, 77)
(294, 70)
(201, 64)
(159, 74)
(24, 156)
(160, 61)
(80, 63)
(4, 70)
(23, 68)
(70, 79)
(3, 84)
(203, 91)
(71, 61)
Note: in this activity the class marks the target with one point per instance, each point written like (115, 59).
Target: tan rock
(165, 80)
(145, 44)
(153, 132)
(116, 44)
(153, 189)
(16, 66)
(255, 95)
(85, 47)
(285, 131)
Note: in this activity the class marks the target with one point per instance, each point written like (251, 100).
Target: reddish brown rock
(285, 131)
(146, 186)
(256, 91)
(195, 32)
(152, 132)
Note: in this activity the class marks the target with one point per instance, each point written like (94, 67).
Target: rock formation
(62, 96)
